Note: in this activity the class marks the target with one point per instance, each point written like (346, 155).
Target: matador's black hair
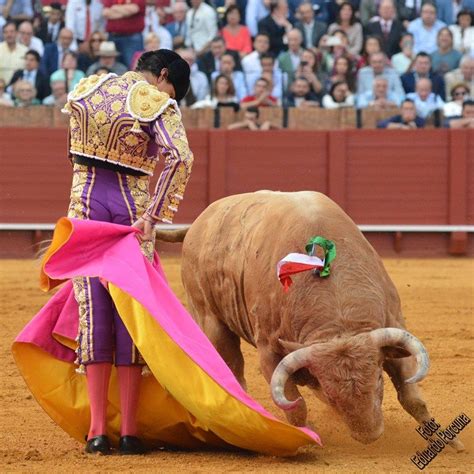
(178, 68)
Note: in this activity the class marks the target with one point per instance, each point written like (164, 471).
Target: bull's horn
(288, 365)
(173, 236)
(399, 337)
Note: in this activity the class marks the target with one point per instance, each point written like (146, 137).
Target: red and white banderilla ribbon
(296, 263)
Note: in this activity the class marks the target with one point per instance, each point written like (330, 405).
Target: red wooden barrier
(377, 176)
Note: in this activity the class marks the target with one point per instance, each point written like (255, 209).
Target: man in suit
(211, 61)
(409, 10)
(49, 29)
(276, 26)
(388, 28)
(311, 29)
(54, 52)
(422, 70)
(33, 75)
(26, 36)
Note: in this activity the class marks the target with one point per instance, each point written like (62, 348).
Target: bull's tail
(172, 235)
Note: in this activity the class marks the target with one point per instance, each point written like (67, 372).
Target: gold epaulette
(146, 103)
(87, 85)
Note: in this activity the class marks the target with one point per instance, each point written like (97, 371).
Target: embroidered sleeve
(173, 146)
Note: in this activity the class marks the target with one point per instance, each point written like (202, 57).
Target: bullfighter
(118, 128)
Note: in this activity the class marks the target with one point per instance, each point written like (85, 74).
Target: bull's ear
(289, 345)
(392, 352)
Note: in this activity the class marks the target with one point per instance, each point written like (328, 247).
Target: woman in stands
(347, 22)
(339, 96)
(342, 72)
(445, 58)
(223, 95)
(68, 72)
(236, 36)
(459, 93)
(463, 32)
(372, 44)
(308, 68)
(90, 50)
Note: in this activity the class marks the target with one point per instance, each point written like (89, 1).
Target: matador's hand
(146, 226)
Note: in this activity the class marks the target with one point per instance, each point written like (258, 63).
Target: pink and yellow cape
(190, 400)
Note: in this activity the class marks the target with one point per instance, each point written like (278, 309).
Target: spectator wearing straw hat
(108, 59)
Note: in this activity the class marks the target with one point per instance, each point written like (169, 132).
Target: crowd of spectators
(413, 54)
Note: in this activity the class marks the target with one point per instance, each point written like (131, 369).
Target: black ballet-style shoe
(131, 445)
(98, 445)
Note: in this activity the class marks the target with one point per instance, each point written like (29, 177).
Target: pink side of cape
(112, 252)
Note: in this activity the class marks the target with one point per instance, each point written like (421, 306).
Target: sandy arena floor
(437, 297)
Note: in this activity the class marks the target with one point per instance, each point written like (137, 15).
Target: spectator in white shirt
(201, 26)
(380, 97)
(251, 63)
(12, 54)
(199, 82)
(77, 13)
(459, 92)
(403, 60)
(339, 96)
(273, 74)
(227, 67)
(27, 38)
(425, 101)
(255, 11)
(378, 67)
(153, 25)
(463, 32)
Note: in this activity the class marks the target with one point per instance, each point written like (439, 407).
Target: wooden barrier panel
(197, 188)
(35, 175)
(371, 116)
(469, 153)
(397, 177)
(279, 160)
(379, 177)
(202, 119)
(314, 119)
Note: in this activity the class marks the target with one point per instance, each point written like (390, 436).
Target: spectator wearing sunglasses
(90, 50)
(459, 93)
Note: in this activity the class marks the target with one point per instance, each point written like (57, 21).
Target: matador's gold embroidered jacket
(127, 121)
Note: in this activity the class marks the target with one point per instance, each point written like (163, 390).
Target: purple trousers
(108, 196)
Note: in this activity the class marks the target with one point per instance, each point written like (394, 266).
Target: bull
(335, 335)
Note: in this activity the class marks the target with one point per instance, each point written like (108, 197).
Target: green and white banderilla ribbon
(329, 248)
(297, 262)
